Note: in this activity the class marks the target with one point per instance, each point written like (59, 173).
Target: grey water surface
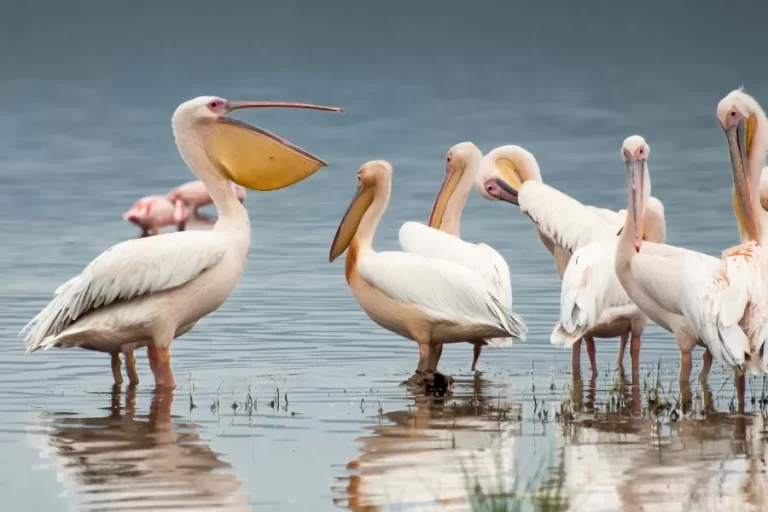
(87, 93)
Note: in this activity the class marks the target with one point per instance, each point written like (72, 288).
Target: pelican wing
(125, 271)
(610, 216)
(563, 219)
(443, 290)
(725, 303)
(431, 243)
(591, 294)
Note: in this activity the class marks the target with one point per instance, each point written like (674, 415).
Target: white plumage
(151, 290)
(419, 239)
(431, 301)
(725, 303)
(591, 294)
(443, 291)
(126, 271)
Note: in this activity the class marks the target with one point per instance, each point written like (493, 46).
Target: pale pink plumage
(151, 213)
(195, 195)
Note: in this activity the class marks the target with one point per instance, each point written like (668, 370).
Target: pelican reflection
(122, 460)
(706, 460)
(428, 455)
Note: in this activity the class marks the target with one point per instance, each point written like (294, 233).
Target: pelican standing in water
(718, 303)
(427, 300)
(510, 173)
(149, 291)
(440, 239)
(592, 300)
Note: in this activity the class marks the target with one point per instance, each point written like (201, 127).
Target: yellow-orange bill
(350, 222)
(256, 158)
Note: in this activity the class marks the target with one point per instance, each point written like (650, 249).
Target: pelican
(764, 188)
(429, 301)
(718, 303)
(149, 291)
(510, 173)
(440, 239)
(592, 299)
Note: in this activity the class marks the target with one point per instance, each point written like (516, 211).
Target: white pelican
(592, 300)
(764, 188)
(719, 303)
(511, 173)
(149, 291)
(441, 238)
(426, 300)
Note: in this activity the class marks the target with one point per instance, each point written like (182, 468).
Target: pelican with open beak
(428, 300)
(441, 238)
(149, 291)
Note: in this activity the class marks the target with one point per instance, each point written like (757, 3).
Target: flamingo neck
(232, 214)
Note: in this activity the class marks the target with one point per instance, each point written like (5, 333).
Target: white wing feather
(417, 238)
(442, 289)
(724, 302)
(610, 216)
(125, 271)
(591, 293)
(563, 219)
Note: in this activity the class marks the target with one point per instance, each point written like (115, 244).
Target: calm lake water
(88, 90)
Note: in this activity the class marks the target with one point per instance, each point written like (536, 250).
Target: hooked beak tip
(637, 247)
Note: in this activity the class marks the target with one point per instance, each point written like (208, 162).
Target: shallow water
(88, 92)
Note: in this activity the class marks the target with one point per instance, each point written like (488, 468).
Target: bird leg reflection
(739, 379)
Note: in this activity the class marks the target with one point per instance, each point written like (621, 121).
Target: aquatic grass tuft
(526, 493)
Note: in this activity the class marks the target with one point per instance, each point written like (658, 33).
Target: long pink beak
(237, 105)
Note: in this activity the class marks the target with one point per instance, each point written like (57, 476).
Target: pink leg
(576, 360)
(478, 347)
(591, 353)
(434, 357)
(686, 363)
(622, 349)
(634, 354)
(707, 366)
(160, 364)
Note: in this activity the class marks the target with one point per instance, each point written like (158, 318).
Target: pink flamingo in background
(195, 196)
(151, 213)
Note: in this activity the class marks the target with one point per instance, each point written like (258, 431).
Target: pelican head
(503, 171)
(249, 156)
(461, 163)
(635, 152)
(743, 122)
(372, 177)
